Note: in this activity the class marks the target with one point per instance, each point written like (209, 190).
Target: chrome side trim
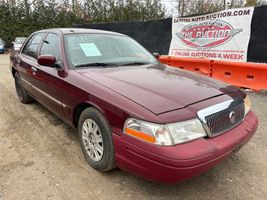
(27, 82)
(47, 95)
(43, 93)
(214, 109)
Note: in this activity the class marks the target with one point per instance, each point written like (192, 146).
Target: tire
(92, 128)
(23, 96)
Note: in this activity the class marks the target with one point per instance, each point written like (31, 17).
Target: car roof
(79, 30)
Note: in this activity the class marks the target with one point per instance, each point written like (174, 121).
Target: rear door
(27, 61)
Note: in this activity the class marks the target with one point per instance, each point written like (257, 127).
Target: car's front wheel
(95, 138)
(23, 96)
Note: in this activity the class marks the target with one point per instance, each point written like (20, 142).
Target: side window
(31, 46)
(51, 46)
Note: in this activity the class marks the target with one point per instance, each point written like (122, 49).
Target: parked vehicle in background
(18, 43)
(2, 46)
(158, 122)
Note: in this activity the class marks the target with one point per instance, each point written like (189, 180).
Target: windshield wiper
(135, 63)
(96, 64)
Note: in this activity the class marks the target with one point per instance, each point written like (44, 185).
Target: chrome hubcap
(92, 140)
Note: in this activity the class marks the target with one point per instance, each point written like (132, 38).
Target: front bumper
(183, 161)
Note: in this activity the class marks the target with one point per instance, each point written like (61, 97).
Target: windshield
(104, 50)
(20, 40)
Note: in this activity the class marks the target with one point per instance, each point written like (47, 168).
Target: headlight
(247, 104)
(165, 135)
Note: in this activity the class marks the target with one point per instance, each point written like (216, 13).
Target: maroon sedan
(158, 122)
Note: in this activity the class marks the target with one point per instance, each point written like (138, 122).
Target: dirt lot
(40, 158)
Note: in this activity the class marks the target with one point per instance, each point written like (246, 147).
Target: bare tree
(182, 6)
(253, 3)
(198, 7)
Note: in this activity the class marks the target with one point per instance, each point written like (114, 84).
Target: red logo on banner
(208, 34)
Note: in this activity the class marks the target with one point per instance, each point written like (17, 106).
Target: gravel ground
(40, 158)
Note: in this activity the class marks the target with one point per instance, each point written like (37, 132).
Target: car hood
(158, 88)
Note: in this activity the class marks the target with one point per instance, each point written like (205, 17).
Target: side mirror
(13, 43)
(47, 60)
(156, 55)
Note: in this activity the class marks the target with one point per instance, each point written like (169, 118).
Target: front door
(48, 81)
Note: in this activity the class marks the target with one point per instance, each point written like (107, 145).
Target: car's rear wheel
(23, 96)
(95, 138)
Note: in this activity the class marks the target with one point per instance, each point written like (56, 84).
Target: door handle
(34, 69)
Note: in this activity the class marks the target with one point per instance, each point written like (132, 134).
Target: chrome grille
(222, 117)
(220, 122)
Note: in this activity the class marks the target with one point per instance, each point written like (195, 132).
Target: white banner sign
(217, 36)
